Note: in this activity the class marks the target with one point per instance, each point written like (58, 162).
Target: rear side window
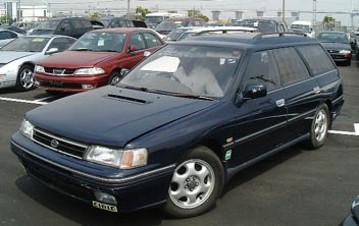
(290, 66)
(317, 59)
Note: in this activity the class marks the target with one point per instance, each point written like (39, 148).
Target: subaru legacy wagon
(180, 124)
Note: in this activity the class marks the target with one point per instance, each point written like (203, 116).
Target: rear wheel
(320, 126)
(25, 80)
(196, 183)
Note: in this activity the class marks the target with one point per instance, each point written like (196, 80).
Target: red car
(96, 59)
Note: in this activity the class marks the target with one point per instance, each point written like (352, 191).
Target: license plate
(103, 206)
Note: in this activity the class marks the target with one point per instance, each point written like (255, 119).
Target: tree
(141, 13)
(94, 16)
(198, 14)
(329, 22)
(6, 19)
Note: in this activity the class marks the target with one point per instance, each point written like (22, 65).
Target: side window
(61, 43)
(137, 41)
(151, 40)
(261, 70)
(317, 59)
(65, 25)
(290, 66)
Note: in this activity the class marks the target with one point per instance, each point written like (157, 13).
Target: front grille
(59, 144)
(333, 51)
(59, 71)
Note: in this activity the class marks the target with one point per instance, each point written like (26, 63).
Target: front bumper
(59, 172)
(69, 83)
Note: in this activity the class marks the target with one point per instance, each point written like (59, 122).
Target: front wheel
(196, 183)
(114, 78)
(25, 79)
(320, 126)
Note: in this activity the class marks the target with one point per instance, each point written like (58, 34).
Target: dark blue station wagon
(178, 126)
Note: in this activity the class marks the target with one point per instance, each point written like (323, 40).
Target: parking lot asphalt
(294, 187)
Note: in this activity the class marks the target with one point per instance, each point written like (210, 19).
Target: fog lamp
(87, 86)
(105, 198)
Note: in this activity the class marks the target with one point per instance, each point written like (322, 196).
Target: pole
(283, 10)
(128, 9)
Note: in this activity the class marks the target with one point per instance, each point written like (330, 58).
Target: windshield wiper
(81, 49)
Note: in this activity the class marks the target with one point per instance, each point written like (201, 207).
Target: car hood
(112, 116)
(8, 56)
(76, 59)
(336, 46)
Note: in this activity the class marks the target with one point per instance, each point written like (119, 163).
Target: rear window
(317, 59)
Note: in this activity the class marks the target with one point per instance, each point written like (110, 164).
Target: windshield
(300, 27)
(100, 41)
(48, 25)
(333, 37)
(154, 19)
(175, 34)
(168, 25)
(27, 44)
(262, 25)
(186, 70)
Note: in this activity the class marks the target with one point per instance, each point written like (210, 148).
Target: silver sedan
(19, 57)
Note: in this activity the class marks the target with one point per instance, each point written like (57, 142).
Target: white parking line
(39, 102)
(355, 133)
(45, 98)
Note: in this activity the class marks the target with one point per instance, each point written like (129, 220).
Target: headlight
(345, 51)
(89, 71)
(123, 159)
(27, 129)
(39, 68)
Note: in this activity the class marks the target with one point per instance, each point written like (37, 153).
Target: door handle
(280, 103)
(316, 90)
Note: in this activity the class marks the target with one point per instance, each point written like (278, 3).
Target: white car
(19, 57)
(7, 36)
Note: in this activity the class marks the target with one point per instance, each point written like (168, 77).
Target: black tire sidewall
(207, 155)
(113, 75)
(18, 83)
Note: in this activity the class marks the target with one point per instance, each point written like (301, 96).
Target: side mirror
(132, 48)
(52, 50)
(253, 91)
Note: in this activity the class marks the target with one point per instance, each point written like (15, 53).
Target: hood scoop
(127, 99)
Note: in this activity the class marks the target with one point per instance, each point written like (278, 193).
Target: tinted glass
(189, 70)
(137, 41)
(261, 70)
(151, 40)
(50, 24)
(61, 43)
(336, 37)
(290, 65)
(316, 58)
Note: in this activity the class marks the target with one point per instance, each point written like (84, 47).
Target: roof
(122, 29)
(249, 40)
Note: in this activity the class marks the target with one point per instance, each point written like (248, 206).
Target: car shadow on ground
(261, 167)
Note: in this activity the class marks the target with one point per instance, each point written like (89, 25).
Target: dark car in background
(165, 27)
(263, 25)
(113, 22)
(69, 26)
(338, 46)
(96, 59)
(181, 123)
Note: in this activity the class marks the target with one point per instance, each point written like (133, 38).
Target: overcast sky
(206, 6)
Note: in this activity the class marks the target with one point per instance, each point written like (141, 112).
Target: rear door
(300, 91)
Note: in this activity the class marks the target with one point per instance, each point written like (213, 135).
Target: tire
(319, 127)
(25, 79)
(196, 184)
(114, 78)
